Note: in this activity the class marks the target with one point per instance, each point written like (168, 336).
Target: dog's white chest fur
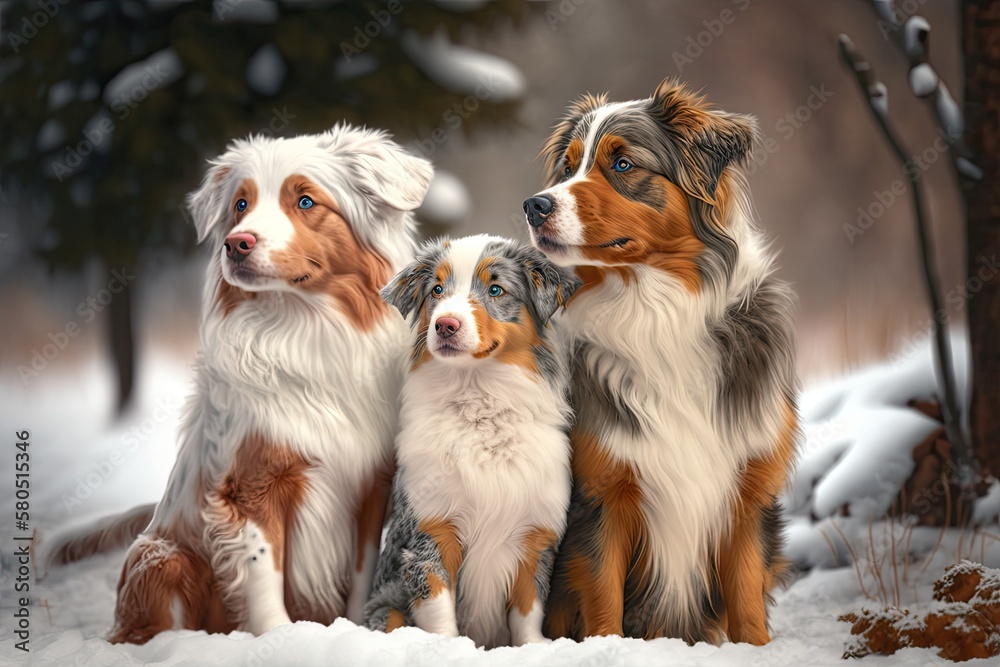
(294, 372)
(663, 368)
(487, 449)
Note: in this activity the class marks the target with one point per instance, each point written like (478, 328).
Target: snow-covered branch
(877, 96)
(912, 36)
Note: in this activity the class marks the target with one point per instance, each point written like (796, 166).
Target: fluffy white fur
(488, 448)
(279, 365)
(276, 366)
(292, 368)
(483, 443)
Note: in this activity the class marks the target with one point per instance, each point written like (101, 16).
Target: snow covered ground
(85, 464)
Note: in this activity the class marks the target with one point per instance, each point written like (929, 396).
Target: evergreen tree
(109, 109)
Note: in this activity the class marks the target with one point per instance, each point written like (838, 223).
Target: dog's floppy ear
(408, 289)
(394, 176)
(550, 286)
(712, 139)
(209, 203)
(562, 134)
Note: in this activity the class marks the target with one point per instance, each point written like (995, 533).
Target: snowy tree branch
(877, 96)
(912, 36)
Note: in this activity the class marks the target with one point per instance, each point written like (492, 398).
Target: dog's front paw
(264, 586)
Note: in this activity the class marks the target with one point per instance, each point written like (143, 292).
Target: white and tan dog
(480, 498)
(274, 509)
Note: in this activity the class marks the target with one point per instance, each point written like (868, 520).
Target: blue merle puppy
(483, 479)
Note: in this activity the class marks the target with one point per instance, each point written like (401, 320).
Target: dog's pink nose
(239, 245)
(446, 327)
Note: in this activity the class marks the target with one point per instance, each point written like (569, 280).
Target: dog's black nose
(537, 209)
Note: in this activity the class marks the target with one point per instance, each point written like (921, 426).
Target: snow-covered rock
(860, 433)
(960, 624)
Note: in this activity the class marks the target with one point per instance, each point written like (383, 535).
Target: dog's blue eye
(305, 202)
(495, 291)
(567, 172)
(438, 290)
(622, 165)
(241, 205)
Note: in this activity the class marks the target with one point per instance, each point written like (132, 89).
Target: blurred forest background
(158, 87)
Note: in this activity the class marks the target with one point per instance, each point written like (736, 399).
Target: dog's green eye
(437, 291)
(567, 172)
(495, 291)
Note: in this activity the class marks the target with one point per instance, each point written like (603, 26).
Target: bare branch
(877, 97)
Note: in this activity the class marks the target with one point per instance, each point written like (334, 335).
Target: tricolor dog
(483, 480)
(683, 376)
(274, 509)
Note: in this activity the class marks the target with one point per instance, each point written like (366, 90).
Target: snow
(75, 449)
(950, 116)
(50, 135)
(448, 202)
(804, 623)
(91, 11)
(247, 11)
(885, 10)
(346, 68)
(89, 90)
(878, 94)
(860, 434)
(81, 192)
(159, 70)
(266, 70)
(60, 94)
(461, 5)
(923, 80)
(86, 464)
(94, 133)
(988, 506)
(987, 582)
(870, 472)
(463, 70)
(915, 32)
(968, 169)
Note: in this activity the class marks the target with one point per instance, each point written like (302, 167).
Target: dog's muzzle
(537, 210)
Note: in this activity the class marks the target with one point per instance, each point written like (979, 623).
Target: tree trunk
(981, 44)
(121, 336)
